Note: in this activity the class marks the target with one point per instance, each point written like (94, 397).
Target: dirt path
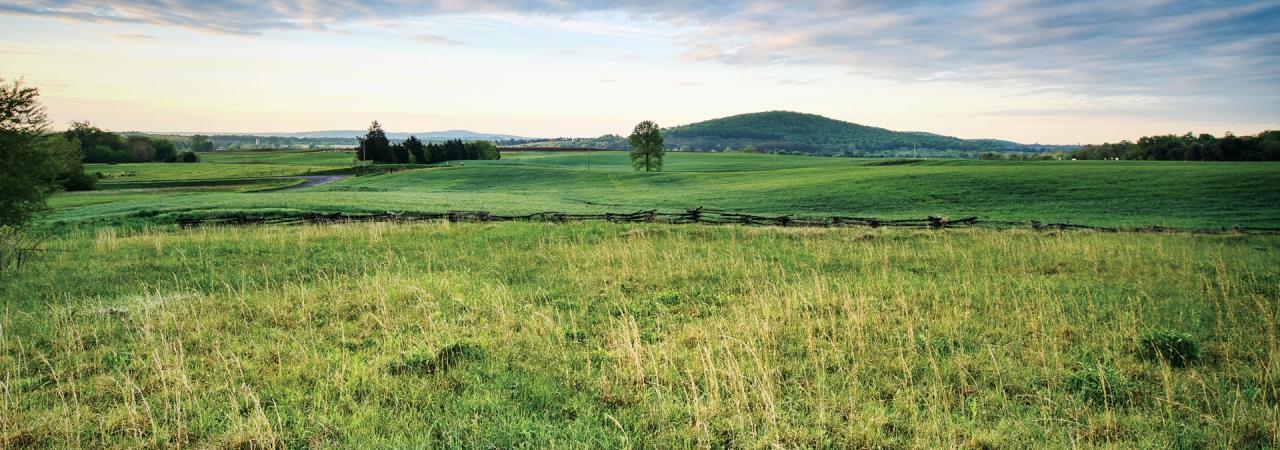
(314, 180)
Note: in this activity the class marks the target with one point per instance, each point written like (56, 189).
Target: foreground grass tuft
(423, 363)
(1177, 349)
(1100, 385)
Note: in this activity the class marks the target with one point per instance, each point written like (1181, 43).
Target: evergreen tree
(399, 154)
(455, 150)
(374, 146)
(435, 153)
(417, 151)
(482, 150)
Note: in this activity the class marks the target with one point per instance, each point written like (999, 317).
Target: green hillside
(793, 132)
(807, 133)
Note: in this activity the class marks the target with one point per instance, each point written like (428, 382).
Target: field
(131, 332)
(638, 336)
(1179, 194)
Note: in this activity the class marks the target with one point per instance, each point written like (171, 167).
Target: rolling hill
(793, 132)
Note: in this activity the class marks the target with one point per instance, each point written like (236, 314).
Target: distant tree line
(254, 142)
(101, 146)
(1020, 156)
(1263, 147)
(375, 147)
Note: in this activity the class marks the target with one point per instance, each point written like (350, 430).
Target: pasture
(607, 335)
(132, 332)
(1178, 194)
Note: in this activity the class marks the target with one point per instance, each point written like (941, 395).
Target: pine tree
(374, 146)
(417, 151)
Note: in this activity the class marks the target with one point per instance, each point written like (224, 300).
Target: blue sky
(1032, 71)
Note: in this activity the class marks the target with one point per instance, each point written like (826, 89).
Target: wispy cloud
(794, 81)
(1097, 47)
(436, 39)
(135, 37)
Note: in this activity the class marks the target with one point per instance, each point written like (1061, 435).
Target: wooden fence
(692, 216)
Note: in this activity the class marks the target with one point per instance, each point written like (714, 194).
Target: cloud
(794, 81)
(135, 37)
(1097, 47)
(436, 40)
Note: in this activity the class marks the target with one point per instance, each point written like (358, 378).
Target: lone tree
(32, 163)
(646, 147)
(374, 146)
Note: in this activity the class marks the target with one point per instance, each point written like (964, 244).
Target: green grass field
(1175, 194)
(655, 336)
(130, 332)
(225, 165)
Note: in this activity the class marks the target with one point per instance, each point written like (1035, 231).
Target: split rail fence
(692, 216)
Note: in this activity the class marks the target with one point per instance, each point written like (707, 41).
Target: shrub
(423, 363)
(1177, 349)
(80, 181)
(1099, 384)
(189, 157)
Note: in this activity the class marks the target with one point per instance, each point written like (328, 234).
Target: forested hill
(810, 133)
(792, 132)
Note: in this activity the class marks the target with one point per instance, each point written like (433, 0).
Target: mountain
(792, 132)
(426, 136)
(809, 133)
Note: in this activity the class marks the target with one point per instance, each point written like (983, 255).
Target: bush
(80, 181)
(1177, 349)
(1099, 384)
(189, 157)
(421, 362)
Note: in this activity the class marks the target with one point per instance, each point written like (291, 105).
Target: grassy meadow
(129, 332)
(653, 336)
(1179, 194)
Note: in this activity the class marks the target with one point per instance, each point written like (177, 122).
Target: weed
(1099, 384)
(1177, 349)
(420, 362)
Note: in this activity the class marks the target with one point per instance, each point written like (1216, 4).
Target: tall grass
(601, 335)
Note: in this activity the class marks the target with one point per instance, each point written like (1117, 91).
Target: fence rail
(692, 216)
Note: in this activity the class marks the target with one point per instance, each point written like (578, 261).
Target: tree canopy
(375, 146)
(646, 147)
(417, 150)
(33, 164)
(101, 146)
(1188, 147)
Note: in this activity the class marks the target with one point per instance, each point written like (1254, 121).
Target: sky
(1052, 72)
